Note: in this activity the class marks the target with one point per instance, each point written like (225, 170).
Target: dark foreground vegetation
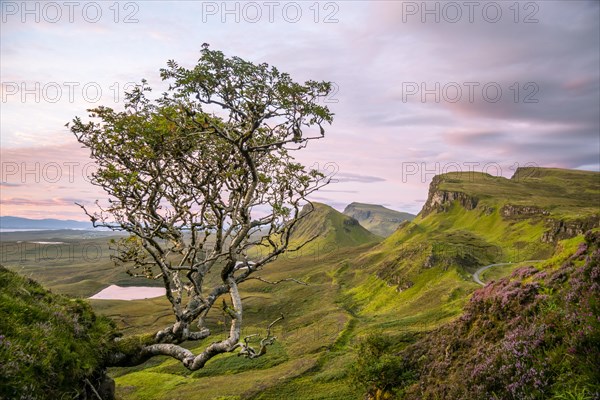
(51, 346)
(532, 335)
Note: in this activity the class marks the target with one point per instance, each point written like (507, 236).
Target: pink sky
(386, 142)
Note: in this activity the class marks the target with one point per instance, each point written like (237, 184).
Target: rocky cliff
(519, 211)
(559, 229)
(440, 200)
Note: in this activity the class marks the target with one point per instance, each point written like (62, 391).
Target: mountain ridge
(378, 219)
(473, 219)
(10, 222)
(330, 226)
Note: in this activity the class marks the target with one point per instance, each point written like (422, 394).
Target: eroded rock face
(449, 259)
(357, 213)
(441, 200)
(351, 222)
(516, 211)
(565, 229)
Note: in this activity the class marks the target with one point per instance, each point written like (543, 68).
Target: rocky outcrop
(516, 211)
(565, 229)
(357, 212)
(351, 222)
(401, 282)
(440, 200)
(450, 258)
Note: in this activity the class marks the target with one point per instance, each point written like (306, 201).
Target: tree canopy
(203, 179)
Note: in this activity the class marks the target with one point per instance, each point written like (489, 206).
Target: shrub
(378, 371)
(49, 344)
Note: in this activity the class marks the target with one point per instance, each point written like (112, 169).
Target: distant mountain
(377, 219)
(331, 227)
(48, 223)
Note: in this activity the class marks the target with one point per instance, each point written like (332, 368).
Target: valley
(405, 285)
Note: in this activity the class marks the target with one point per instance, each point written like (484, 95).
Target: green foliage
(377, 368)
(262, 87)
(204, 173)
(48, 343)
(576, 393)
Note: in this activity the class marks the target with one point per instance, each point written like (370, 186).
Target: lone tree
(202, 178)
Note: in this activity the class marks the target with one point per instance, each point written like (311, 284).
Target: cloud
(371, 53)
(337, 191)
(8, 184)
(474, 138)
(350, 177)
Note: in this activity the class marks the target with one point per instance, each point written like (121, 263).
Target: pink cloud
(46, 181)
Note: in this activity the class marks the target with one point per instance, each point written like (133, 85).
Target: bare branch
(249, 352)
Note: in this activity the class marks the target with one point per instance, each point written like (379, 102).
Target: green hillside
(313, 348)
(532, 335)
(415, 283)
(470, 220)
(51, 346)
(474, 219)
(421, 276)
(377, 219)
(329, 226)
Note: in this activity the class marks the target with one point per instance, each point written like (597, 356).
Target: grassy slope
(428, 261)
(454, 241)
(354, 291)
(416, 280)
(378, 219)
(313, 325)
(310, 358)
(49, 344)
(532, 335)
(419, 277)
(332, 229)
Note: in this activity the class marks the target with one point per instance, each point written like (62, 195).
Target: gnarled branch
(249, 352)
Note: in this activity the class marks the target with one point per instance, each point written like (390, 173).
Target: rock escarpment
(445, 190)
(520, 211)
(440, 200)
(558, 229)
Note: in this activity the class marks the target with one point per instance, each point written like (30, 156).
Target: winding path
(480, 270)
